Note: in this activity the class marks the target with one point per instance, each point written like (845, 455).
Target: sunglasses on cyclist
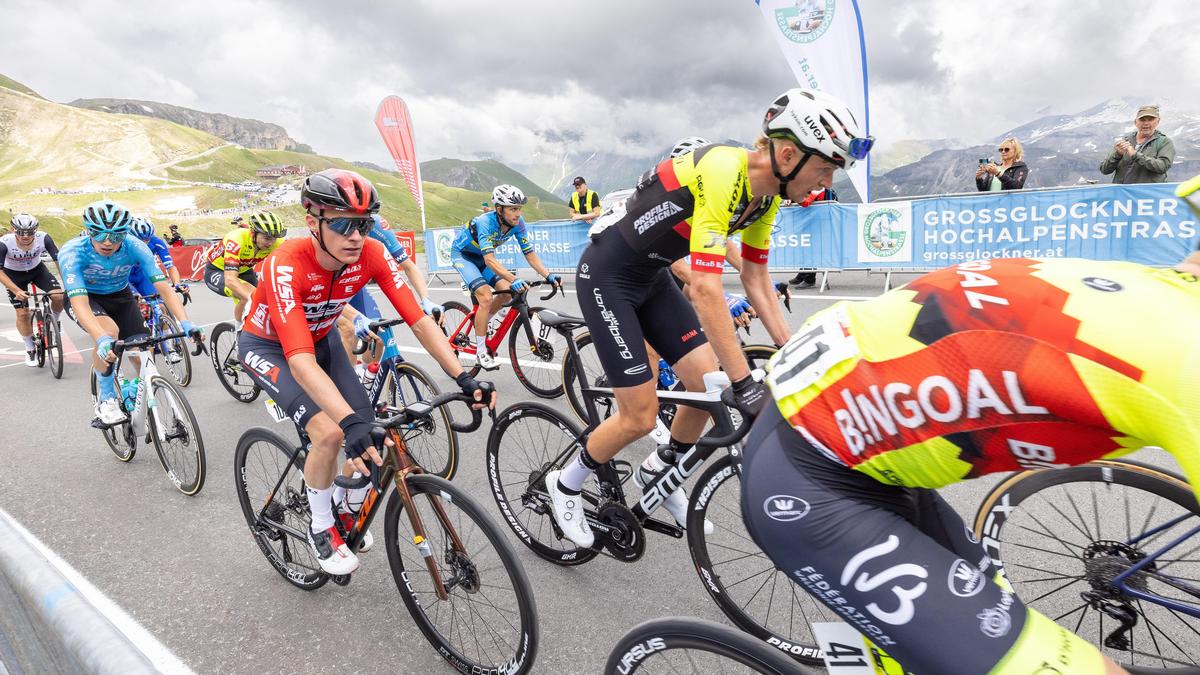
(857, 148)
(345, 226)
(108, 235)
(24, 233)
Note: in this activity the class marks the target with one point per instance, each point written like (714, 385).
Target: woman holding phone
(1010, 174)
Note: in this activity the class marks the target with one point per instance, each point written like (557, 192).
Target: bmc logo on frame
(785, 508)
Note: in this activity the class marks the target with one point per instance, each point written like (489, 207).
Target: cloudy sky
(621, 75)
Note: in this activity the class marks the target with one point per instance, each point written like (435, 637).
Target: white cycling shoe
(676, 504)
(484, 360)
(31, 359)
(109, 412)
(568, 513)
(347, 520)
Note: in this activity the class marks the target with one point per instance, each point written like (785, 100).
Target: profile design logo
(806, 21)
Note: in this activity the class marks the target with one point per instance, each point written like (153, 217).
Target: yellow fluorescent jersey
(1000, 365)
(692, 204)
(237, 249)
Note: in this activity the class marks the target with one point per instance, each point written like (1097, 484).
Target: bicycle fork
(420, 540)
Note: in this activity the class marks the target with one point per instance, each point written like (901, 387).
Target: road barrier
(53, 620)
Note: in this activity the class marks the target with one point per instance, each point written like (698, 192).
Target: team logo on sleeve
(785, 508)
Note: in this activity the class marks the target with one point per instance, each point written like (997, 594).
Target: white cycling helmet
(508, 195)
(818, 124)
(685, 145)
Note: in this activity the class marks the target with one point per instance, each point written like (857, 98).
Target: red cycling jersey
(298, 301)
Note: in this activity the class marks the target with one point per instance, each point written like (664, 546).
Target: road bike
(458, 576)
(533, 349)
(156, 411)
(398, 383)
(47, 334)
(174, 352)
(223, 346)
(1108, 550)
(686, 645)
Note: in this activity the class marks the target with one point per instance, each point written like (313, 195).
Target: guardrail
(54, 620)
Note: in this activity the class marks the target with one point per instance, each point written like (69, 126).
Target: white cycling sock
(577, 471)
(320, 502)
(339, 493)
(480, 343)
(28, 343)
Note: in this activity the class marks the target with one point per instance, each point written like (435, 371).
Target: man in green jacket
(1141, 156)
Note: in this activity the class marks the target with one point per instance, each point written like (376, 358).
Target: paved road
(188, 570)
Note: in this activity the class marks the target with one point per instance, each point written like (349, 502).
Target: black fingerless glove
(358, 435)
(750, 395)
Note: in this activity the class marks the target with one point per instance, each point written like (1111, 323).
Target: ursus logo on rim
(785, 508)
(806, 21)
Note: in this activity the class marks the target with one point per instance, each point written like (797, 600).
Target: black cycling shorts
(626, 306)
(214, 278)
(39, 276)
(122, 308)
(896, 563)
(265, 362)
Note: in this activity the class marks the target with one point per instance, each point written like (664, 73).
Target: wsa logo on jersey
(806, 21)
(785, 508)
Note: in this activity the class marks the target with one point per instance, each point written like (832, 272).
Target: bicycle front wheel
(459, 331)
(54, 351)
(175, 352)
(535, 350)
(277, 510)
(120, 438)
(588, 364)
(739, 577)
(1062, 535)
(233, 376)
(488, 623)
(431, 442)
(39, 342)
(176, 436)
(685, 645)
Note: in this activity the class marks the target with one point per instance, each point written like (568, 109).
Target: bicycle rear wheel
(233, 376)
(432, 443)
(175, 352)
(536, 363)
(740, 578)
(489, 621)
(120, 438)
(278, 518)
(686, 645)
(460, 332)
(1062, 535)
(589, 364)
(176, 436)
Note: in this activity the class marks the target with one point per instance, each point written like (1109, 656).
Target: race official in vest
(585, 204)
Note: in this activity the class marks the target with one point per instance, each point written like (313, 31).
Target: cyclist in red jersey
(288, 346)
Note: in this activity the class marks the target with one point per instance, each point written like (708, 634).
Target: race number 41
(847, 652)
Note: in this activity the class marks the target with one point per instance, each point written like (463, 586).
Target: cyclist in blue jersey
(473, 255)
(353, 325)
(143, 229)
(96, 272)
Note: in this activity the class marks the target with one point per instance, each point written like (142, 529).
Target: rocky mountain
(481, 176)
(1059, 149)
(245, 132)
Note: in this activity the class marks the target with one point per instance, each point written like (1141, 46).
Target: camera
(985, 160)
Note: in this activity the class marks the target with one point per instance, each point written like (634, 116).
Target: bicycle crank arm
(663, 527)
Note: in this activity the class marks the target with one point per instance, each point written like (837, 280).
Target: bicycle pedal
(341, 579)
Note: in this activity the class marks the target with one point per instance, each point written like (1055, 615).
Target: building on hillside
(280, 170)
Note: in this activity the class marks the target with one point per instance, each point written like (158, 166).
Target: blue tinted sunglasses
(108, 235)
(858, 148)
(345, 226)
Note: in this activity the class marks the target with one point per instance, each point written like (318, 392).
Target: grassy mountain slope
(482, 176)
(9, 83)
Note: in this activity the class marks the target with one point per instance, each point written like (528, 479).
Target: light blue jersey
(86, 271)
(389, 241)
(483, 234)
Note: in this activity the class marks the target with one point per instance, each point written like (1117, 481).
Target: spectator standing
(175, 239)
(809, 279)
(1009, 174)
(585, 203)
(1143, 155)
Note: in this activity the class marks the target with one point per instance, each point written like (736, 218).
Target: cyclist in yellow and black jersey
(690, 205)
(231, 262)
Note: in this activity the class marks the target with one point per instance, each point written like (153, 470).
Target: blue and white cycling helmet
(106, 216)
(142, 228)
(508, 195)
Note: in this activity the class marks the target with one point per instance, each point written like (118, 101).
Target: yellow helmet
(265, 222)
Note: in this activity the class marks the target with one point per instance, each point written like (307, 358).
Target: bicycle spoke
(1078, 527)
(1055, 590)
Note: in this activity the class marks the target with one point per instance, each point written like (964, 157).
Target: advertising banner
(395, 126)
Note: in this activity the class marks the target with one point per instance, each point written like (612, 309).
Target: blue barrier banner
(559, 243)
(1145, 224)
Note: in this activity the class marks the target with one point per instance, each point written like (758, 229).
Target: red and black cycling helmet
(340, 190)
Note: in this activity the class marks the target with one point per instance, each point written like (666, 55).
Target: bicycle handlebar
(738, 433)
(375, 326)
(404, 416)
(554, 290)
